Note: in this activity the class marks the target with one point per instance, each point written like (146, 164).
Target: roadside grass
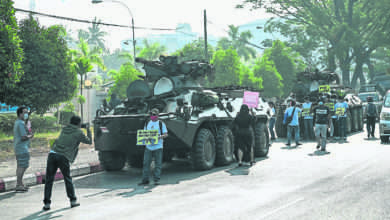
(40, 143)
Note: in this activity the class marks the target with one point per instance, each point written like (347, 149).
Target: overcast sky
(147, 13)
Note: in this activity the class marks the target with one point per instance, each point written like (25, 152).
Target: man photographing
(64, 152)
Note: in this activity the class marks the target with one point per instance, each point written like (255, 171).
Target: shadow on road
(290, 148)
(244, 169)
(319, 153)
(8, 195)
(125, 182)
(45, 214)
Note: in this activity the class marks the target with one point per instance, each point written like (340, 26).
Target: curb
(9, 183)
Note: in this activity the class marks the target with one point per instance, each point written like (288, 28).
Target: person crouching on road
(64, 152)
(371, 114)
(21, 144)
(321, 119)
(154, 150)
(292, 126)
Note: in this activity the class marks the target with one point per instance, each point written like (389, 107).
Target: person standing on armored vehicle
(291, 118)
(307, 119)
(372, 114)
(341, 108)
(154, 150)
(321, 119)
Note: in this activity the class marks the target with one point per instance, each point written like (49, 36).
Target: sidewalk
(86, 162)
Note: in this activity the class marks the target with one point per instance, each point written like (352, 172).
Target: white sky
(147, 13)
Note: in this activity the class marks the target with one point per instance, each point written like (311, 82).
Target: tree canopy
(11, 53)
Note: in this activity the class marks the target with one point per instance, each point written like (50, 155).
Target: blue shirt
(154, 125)
(307, 105)
(20, 147)
(341, 105)
(288, 112)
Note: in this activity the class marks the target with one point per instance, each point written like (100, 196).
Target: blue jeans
(271, 125)
(55, 161)
(148, 157)
(295, 129)
(308, 126)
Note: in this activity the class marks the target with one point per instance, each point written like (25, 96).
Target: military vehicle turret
(308, 84)
(198, 119)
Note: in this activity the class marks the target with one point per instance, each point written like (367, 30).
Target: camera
(85, 125)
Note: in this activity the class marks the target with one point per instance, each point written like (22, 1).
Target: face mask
(153, 117)
(25, 116)
(321, 103)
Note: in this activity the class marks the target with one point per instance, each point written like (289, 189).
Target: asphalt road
(350, 181)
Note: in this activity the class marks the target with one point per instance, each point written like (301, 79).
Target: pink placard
(251, 99)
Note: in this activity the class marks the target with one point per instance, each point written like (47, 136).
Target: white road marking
(357, 170)
(281, 207)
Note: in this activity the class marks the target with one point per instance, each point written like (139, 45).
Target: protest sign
(147, 137)
(251, 99)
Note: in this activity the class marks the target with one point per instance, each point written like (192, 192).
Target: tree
(227, 68)
(248, 79)
(48, 78)
(194, 51)
(352, 29)
(122, 79)
(83, 60)
(271, 79)
(11, 53)
(238, 41)
(152, 51)
(286, 63)
(96, 35)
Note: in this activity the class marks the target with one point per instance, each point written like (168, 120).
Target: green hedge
(39, 123)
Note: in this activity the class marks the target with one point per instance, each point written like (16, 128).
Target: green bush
(64, 117)
(38, 123)
(7, 121)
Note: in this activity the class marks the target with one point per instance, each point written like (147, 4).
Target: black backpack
(159, 125)
(371, 110)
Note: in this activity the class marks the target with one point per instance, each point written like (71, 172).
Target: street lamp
(131, 14)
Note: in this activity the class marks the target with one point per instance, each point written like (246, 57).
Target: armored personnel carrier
(308, 84)
(198, 119)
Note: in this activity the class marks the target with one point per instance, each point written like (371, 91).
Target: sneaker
(298, 143)
(272, 139)
(288, 144)
(323, 149)
(21, 189)
(318, 146)
(74, 204)
(143, 183)
(156, 183)
(368, 135)
(46, 207)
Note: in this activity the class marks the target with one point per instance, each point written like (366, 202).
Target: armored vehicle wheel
(261, 146)
(112, 160)
(203, 151)
(224, 146)
(136, 160)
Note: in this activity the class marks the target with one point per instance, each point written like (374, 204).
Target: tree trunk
(81, 93)
(345, 73)
(358, 73)
(331, 60)
(371, 69)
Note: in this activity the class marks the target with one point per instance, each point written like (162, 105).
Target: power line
(90, 22)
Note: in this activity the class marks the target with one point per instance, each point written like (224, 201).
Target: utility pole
(205, 37)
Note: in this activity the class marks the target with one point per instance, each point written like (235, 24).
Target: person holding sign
(341, 108)
(292, 120)
(154, 150)
(307, 119)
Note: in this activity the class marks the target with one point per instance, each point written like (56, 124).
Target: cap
(155, 111)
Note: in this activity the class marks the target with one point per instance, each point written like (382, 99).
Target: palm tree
(152, 51)
(238, 41)
(96, 35)
(83, 60)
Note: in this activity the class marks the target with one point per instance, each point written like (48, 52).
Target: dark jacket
(67, 144)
